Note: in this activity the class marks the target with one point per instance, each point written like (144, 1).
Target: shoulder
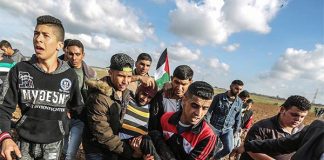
(99, 85)
(261, 127)
(166, 116)
(207, 129)
(264, 123)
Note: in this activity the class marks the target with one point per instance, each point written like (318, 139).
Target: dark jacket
(157, 107)
(308, 143)
(269, 129)
(44, 99)
(156, 112)
(105, 112)
(89, 74)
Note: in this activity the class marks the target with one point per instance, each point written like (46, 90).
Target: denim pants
(226, 138)
(73, 140)
(34, 151)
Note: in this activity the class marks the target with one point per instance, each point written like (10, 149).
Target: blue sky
(274, 49)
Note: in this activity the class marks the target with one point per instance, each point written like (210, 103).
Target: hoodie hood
(16, 56)
(100, 85)
(62, 66)
(104, 86)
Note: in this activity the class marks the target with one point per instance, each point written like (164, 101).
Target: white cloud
(212, 22)
(231, 47)
(111, 18)
(218, 65)
(181, 53)
(93, 42)
(298, 63)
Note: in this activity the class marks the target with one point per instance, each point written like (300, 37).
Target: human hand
(8, 146)
(167, 86)
(147, 81)
(237, 150)
(148, 157)
(135, 143)
(68, 115)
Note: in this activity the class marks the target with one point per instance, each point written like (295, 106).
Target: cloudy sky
(275, 46)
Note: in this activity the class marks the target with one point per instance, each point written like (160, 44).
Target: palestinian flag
(162, 73)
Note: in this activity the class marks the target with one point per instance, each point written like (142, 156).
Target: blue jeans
(226, 138)
(73, 141)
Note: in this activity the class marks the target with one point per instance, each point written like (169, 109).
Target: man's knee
(228, 149)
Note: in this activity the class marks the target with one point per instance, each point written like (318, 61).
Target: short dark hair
(151, 90)
(5, 43)
(244, 94)
(144, 56)
(50, 20)
(75, 42)
(120, 61)
(183, 72)
(249, 101)
(66, 42)
(201, 89)
(237, 82)
(298, 101)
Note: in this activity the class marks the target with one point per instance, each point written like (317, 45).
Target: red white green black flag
(162, 73)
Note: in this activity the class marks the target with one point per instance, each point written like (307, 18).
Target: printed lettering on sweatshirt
(44, 97)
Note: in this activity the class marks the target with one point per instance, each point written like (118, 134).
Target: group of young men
(124, 115)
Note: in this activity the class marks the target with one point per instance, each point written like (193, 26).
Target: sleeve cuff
(4, 135)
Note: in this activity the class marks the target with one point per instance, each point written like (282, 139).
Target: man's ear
(282, 109)
(59, 45)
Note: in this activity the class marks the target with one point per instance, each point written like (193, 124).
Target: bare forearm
(260, 156)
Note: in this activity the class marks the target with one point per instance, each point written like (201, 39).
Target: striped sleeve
(204, 149)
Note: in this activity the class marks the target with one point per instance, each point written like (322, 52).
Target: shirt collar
(175, 118)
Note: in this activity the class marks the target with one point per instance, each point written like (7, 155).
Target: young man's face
(46, 44)
(248, 105)
(194, 109)
(179, 86)
(120, 79)
(144, 97)
(292, 117)
(5, 50)
(75, 56)
(143, 67)
(235, 89)
(244, 99)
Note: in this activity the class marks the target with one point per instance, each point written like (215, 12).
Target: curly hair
(298, 101)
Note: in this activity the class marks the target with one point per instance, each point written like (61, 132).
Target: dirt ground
(261, 111)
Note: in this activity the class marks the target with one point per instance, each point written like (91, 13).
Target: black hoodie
(44, 99)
